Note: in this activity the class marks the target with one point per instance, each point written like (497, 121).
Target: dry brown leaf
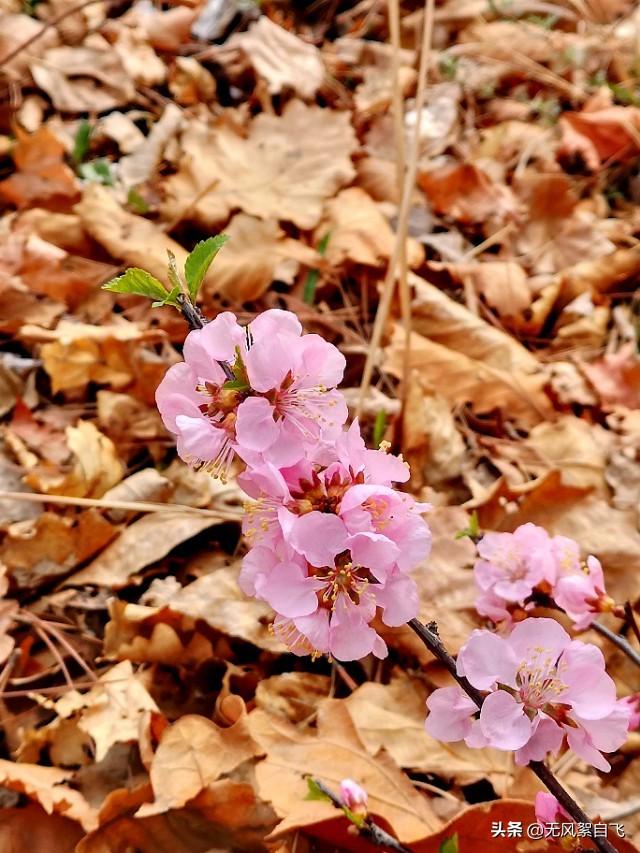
(294, 695)
(611, 273)
(281, 58)
(90, 78)
(140, 544)
(616, 378)
(599, 135)
(573, 446)
(333, 754)
(446, 322)
(51, 545)
(193, 753)
(47, 786)
(503, 284)
(460, 379)
(258, 253)
(467, 194)
(15, 31)
(41, 175)
(359, 232)
(285, 168)
(190, 82)
(216, 598)
(141, 164)
(31, 828)
(391, 717)
(95, 467)
(126, 236)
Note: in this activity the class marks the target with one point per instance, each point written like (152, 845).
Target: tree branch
(429, 636)
(196, 320)
(369, 830)
(618, 641)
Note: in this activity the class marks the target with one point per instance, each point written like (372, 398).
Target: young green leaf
(473, 530)
(315, 792)
(311, 281)
(172, 271)
(98, 171)
(81, 142)
(199, 261)
(379, 428)
(139, 282)
(170, 299)
(136, 202)
(450, 845)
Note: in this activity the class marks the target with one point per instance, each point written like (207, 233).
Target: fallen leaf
(285, 169)
(467, 194)
(41, 176)
(47, 786)
(359, 232)
(191, 754)
(258, 253)
(141, 543)
(281, 58)
(31, 828)
(293, 695)
(616, 378)
(334, 753)
(90, 78)
(599, 135)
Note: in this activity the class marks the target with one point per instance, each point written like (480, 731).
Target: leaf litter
(145, 701)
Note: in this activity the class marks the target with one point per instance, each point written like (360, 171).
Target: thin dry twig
(403, 216)
(429, 636)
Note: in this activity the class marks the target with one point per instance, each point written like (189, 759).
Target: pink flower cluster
(513, 567)
(332, 542)
(541, 687)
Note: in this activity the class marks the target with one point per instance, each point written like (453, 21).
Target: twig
(631, 619)
(130, 506)
(47, 26)
(429, 636)
(618, 641)
(369, 830)
(196, 320)
(403, 214)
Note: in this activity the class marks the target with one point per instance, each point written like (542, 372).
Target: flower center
(343, 578)
(538, 679)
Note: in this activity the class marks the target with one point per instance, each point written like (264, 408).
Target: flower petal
(503, 721)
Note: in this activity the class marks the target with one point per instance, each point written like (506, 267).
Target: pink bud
(353, 796)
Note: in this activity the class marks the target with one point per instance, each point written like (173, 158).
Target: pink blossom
(633, 703)
(542, 687)
(580, 591)
(511, 565)
(281, 400)
(353, 796)
(548, 810)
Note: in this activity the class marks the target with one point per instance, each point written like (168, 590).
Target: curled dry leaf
(47, 786)
(41, 176)
(281, 58)
(293, 695)
(466, 193)
(31, 828)
(193, 753)
(90, 78)
(599, 135)
(285, 169)
(616, 378)
(334, 753)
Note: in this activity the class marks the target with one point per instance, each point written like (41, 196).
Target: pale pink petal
(256, 565)
(316, 628)
(547, 738)
(398, 597)
(216, 341)
(535, 633)
(269, 360)
(592, 693)
(176, 395)
(580, 742)
(273, 321)
(450, 714)
(486, 659)
(198, 439)
(503, 721)
(255, 426)
(318, 363)
(318, 536)
(350, 638)
(290, 592)
(374, 551)
(610, 732)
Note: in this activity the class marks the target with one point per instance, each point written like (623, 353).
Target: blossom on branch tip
(541, 687)
(281, 402)
(353, 796)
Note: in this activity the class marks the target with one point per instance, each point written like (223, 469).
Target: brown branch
(429, 636)
(631, 619)
(196, 320)
(369, 830)
(617, 640)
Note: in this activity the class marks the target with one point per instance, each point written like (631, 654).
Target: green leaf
(199, 261)
(81, 142)
(311, 281)
(473, 530)
(139, 282)
(315, 792)
(98, 171)
(172, 271)
(136, 202)
(170, 299)
(450, 845)
(379, 428)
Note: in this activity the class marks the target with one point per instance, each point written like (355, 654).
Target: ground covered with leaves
(145, 703)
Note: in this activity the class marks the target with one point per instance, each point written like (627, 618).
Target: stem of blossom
(631, 619)
(194, 317)
(369, 830)
(429, 636)
(617, 640)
